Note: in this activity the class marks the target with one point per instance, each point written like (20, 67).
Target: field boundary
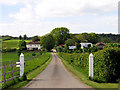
(80, 76)
(31, 75)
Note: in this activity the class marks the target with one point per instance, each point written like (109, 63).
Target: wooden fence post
(4, 74)
(91, 65)
(12, 70)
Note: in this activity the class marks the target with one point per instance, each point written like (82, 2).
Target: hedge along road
(55, 76)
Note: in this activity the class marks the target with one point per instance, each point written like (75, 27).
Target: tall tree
(48, 42)
(94, 38)
(60, 34)
(20, 37)
(35, 38)
(70, 42)
(88, 37)
(22, 45)
(25, 37)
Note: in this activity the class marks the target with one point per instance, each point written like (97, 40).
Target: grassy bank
(31, 75)
(82, 77)
(30, 66)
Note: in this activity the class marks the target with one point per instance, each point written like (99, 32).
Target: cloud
(37, 15)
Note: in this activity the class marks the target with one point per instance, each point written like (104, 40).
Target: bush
(76, 59)
(59, 48)
(33, 54)
(107, 65)
(24, 77)
(9, 50)
(19, 52)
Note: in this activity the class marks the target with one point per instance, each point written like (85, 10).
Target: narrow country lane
(55, 76)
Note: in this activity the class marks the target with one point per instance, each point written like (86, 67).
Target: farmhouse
(85, 45)
(33, 45)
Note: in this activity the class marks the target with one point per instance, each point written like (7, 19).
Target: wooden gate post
(12, 70)
(4, 74)
(91, 65)
(21, 65)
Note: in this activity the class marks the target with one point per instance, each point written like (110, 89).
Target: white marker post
(21, 65)
(91, 65)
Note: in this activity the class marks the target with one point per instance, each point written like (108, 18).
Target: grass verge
(31, 75)
(75, 71)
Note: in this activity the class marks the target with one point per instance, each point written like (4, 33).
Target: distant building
(100, 45)
(33, 45)
(72, 47)
(62, 45)
(85, 45)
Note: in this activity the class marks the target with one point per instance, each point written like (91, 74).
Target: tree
(84, 37)
(20, 37)
(25, 37)
(48, 42)
(60, 34)
(70, 42)
(35, 38)
(94, 38)
(88, 37)
(78, 46)
(22, 45)
(59, 48)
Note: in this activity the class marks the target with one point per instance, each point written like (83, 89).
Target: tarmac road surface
(55, 76)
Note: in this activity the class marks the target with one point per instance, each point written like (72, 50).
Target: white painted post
(91, 65)
(21, 65)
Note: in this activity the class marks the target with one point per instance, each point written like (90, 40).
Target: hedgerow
(106, 64)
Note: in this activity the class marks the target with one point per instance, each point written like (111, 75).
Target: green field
(13, 56)
(12, 43)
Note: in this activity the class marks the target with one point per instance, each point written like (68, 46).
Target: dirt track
(55, 76)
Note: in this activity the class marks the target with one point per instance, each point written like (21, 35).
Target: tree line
(62, 35)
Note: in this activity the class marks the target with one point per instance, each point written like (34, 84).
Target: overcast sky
(38, 17)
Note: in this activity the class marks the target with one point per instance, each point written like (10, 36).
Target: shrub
(59, 48)
(107, 65)
(24, 77)
(9, 50)
(33, 54)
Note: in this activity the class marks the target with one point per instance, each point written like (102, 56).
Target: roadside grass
(82, 77)
(31, 75)
(12, 43)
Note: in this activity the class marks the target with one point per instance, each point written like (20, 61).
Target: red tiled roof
(34, 43)
(61, 45)
(100, 44)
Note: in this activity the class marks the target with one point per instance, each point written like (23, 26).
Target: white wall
(85, 45)
(31, 46)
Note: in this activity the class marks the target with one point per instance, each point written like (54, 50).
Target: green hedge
(9, 50)
(107, 65)
(78, 60)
